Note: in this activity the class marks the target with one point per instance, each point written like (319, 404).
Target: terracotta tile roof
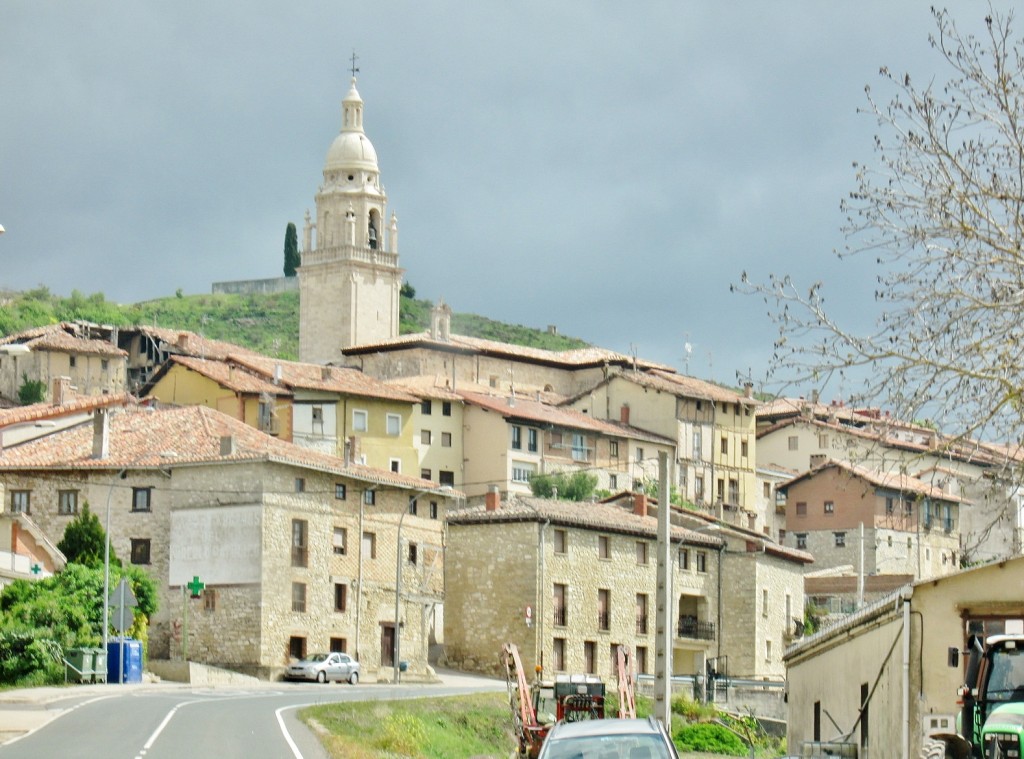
(426, 386)
(79, 404)
(149, 438)
(900, 483)
(530, 410)
(225, 374)
(183, 342)
(332, 379)
(570, 359)
(847, 584)
(585, 515)
(63, 338)
(676, 384)
(781, 407)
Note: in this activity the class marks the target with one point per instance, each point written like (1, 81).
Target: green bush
(709, 738)
(402, 734)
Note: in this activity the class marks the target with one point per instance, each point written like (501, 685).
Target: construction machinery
(537, 706)
(991, 721)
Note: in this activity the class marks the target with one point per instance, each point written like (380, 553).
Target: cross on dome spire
(355, 69)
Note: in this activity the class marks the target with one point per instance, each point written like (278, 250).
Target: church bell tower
(349, 277)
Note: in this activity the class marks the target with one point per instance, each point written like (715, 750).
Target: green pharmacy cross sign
(36, 569)
(196, 587)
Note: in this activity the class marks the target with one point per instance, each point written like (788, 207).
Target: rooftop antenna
(632, 353)
(688, 349)
(355, 69)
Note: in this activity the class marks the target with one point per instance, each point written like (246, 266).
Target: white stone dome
(351, 150)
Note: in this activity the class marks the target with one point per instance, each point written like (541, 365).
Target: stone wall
(257, 286)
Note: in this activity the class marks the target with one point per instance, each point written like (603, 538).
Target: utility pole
(663, 602)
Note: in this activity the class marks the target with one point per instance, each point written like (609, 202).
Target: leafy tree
(578, 486)
(408, 291)
(939, 210)
(84, 540)
(31, 391)
(291, 250)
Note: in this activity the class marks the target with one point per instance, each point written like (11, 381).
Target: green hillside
(265, 323)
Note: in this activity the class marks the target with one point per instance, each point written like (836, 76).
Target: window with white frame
(340, 540)
(67, 502)
(579, 447)
(360, 420)
(522, 471)
(394, 422)
(517, 437)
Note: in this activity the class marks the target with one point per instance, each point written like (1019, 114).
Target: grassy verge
(432, 728)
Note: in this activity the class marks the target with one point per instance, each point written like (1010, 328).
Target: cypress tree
(291, 250)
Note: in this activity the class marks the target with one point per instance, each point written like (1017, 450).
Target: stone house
(909, 526)
(298, 549)
(338, 411)
(509, 439)
(567, 582)
(713, 429)
(91, 364)
(889, 682)
(991, 521)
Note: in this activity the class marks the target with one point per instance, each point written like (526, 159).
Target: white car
(324, 667)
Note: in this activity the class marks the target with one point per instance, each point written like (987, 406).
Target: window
(209, 599)
(317, 413)
(613, 448)
(340, 540)
(589, 657)
(531, 440)
(641, 552)
(360, 420)
(300, 484)
(734, 490)
(744, 447)
(561, 541)
(604, 547)
(830, 507)
(517, 437)
(446, 478)
(394, 423)
(801, 508)
(698, 487)
(801, 540)
(297, 647)
(395, 465)
(641, 613)
(413, 553)
(697, 446)
(433, 509)
(72, 360)
(604, 609)
(613, 482)
(767, 490)
(67, 502)
(639, 454)
(21, 501)
(446, 408)
(141, 499)
(579, 447)
(840, 539)
(104, 364)
(641, 660)
(521, 472)
(140, 550)
(702, 561)
(890, 505)
(340, 596)
(908, 507)
(446, 440)
(823, 440)
(560, 599)
(794, 443)
(425, 437)
(425, 408)
(340, 491)
(493, 380)
(300, 549)
(767, 650)
(684, 559)
(370, 545)
(764, 602)
(558, 654)
(370, 497)
(425, 474)
(338, 645)
(265, 417)
(299, 597)
(725, 444)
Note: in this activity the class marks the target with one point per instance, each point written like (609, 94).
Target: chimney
(183, 341)
(748, 389)
(552, 329)
(100, 434)
(325, 373)
(277, 374)
(61, 390)
(227, 445)
(640, 504)
(624, 413)
(814, 396)
(352, 446)
(493, 498)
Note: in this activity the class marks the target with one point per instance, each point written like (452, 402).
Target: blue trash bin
(126, 668)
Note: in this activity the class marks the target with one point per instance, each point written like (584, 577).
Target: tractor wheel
(933, 749)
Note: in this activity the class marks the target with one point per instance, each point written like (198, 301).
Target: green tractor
(991, 723)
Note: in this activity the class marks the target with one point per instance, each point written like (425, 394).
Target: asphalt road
(220, 723)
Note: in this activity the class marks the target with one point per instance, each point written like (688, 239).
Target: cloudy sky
(606, 167)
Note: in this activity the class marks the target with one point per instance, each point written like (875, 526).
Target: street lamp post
(106, 561)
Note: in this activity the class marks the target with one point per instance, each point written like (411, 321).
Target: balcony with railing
(691, 627)
(561, 616)
(603, 620)
(641, 624)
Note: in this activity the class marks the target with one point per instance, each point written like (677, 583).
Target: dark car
(324, 667)
(609, 739)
